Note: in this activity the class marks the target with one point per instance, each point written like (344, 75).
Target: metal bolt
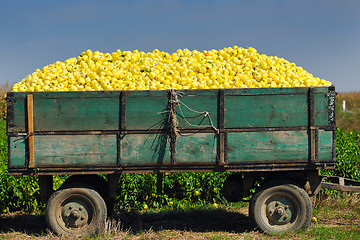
(75, 214)
(280, 211)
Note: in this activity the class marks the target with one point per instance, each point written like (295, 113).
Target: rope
(174, 123)
(206, 115)
(178, 103)
(174, 101)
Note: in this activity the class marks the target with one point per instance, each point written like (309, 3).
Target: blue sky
(322, 36)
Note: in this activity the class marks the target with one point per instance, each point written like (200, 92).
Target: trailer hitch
(340, 183)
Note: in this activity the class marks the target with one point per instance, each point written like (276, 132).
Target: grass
(350, 119)
(337, 214)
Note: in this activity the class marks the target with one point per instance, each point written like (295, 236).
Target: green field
(350, 119)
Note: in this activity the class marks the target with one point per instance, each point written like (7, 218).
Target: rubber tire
(299, 199)
(88, 199)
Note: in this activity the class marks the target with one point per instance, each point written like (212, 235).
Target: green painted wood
(77, 95)
(91, 111)
(146, 110)
(199, 147)
(144, 149)
(76, 111)
(265, 91)
(76, 114)
(325, 145)
(271, 110)
(17, 151)
(68, 111)
(16, 122)
(77, 150)
(321, 107)
(197, 109)
(267, 146)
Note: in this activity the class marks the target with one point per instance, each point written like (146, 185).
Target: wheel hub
(75, 215)
(279, 212)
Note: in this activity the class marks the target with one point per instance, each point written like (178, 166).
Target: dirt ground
(333, 219)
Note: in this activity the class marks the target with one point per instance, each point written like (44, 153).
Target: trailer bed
(275, 129)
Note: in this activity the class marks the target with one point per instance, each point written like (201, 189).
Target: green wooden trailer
(280, 136)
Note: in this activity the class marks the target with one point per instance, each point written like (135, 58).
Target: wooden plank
(89, 100)
(266, 110)
(77, 150)
(173, 123)
(265, 91)
(17, 152)
(10, 104)
(324, 109)
(325, 145)
(146, 110)
(144, 149)
(17, 112)
(331, 96)
(198, 147)
(267, 146)
(77, 94)
(198, 109)
(338, 187)
(76, 114)
(30, 129)
(321, 109)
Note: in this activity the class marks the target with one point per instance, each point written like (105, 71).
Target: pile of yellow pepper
(232, 67)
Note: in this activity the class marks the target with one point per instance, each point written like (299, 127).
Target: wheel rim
(280, 211)
(75, 213)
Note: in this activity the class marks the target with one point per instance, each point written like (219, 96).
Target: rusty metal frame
(332, 120)
(123, 101)
(159, 183)
(244, 168)
(183, 130)
(340, 183)
(221, 127)
(312, 129)
(10, 101)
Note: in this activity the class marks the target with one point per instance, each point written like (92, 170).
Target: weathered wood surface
(215, 127)
(269, 146)
(17, 151)
(75, 150)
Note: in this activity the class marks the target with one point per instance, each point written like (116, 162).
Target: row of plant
(138, 191)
